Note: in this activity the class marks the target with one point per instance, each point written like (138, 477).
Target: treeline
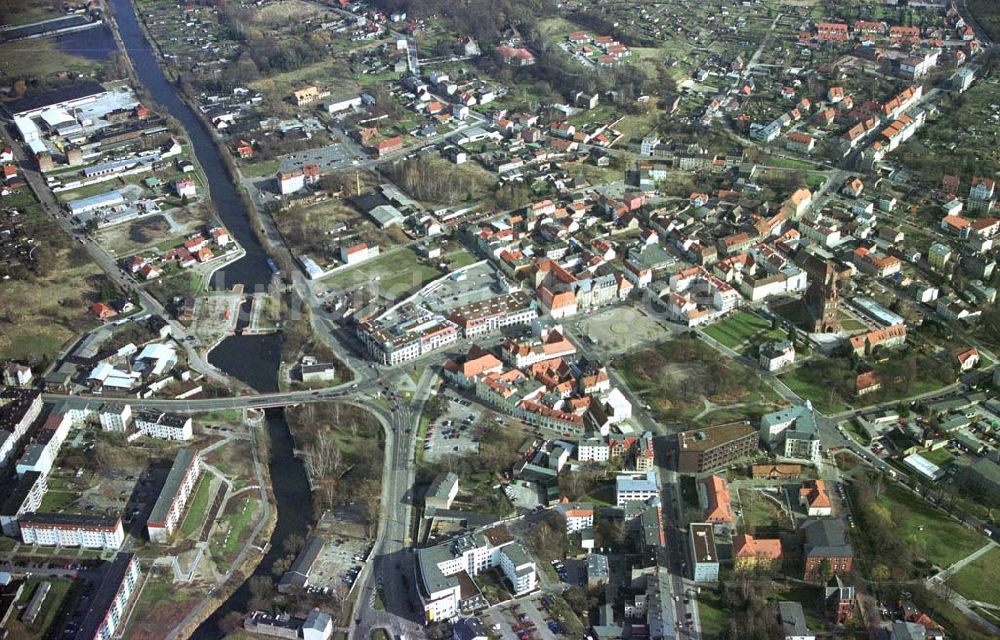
(340, 446)
(484, 20)
(750, 605)
(602, 26)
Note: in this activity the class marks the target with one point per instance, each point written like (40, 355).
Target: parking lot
(457, 432)
(524, 495)
(479, 283)
(525, 619)
(326, 158)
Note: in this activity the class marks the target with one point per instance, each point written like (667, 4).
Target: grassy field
(929, 532)
(196, 507)
(461, 258)
(762, 514)
(395, 274)
(239, 516)
(18, 12)
(978, 579)
(806, 383)
(711, 614)
(58, 590)
(159, 607)
(940, 457)
(41, 58)
(43, 310)
(744, 327)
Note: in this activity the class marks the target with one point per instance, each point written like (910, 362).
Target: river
(252, 359)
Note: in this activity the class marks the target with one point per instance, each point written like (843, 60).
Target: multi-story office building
(444, 573)
(635, 487)
(714, 447)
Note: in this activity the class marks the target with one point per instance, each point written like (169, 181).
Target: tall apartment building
(645, 454)
(579, 516)
(18, 410)
(25, 497)
(71, 530)
(110, 604)
(164, 426)
(168, 511)
(714, 447)
(115, 416)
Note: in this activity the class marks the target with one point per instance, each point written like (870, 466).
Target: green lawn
(197, 506)
(978, 579)
(928, 531)
(395, 274)
(736, 329)
(463, 258)
(238, 522)
(803, 382)
(744, 331)
(761, 514)
(676, 377)
(58, 591)
(57, 501)
(259, 169)
(713, 618)
(940, 457)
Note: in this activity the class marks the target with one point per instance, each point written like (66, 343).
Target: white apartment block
(164, 426)
(109, 608)
(579, 516)
(519, 568)
(18, 410)
(71, 530)
(443, 569)
(168, 511)
(115, 417)
(593, 450)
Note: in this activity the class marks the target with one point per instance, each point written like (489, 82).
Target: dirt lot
(345, 549)
(211, 322)
(623, 328)
(154, 231)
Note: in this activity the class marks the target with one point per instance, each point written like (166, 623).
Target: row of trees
(435, 180)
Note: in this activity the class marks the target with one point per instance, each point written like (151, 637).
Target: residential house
(756, 554)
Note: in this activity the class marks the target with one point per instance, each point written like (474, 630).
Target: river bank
(252, 359)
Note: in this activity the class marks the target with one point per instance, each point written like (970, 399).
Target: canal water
(252, 359)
